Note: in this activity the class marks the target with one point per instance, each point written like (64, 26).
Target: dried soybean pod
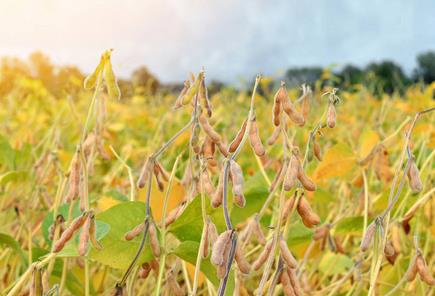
(316, 149)
(179, 100)
(277, 104)
(288, 206)
(145, 173)
(144, 271)
(412, 271)
(154, 240)
(89, 144)
(291, 173)
(109, 76)
(255, 140)
(174, 214)
(217, 198)
(241, 261)
(238, 139)
(309, 218)
(93, 234)
(208, 185)
(331, 116)
(291, 111)
(290, 261)
(159, 181)
(212, 231)
(256, 229)
(74, 177)
(368, 237)
(84, 236)
(287, 287)
(414, 177)
(304, 179)
(424, 271)
(173, 284)
(68, 233)
(135, 231)
(237, 178)
(263, 255)
(162, 171)
(222, 149)
(194, 138)
(294, 282)
(222, 269)
(203, 97)
(321, 232)
(208, 129)
(275, 135)
(91, 81)
(219, 247)
(206, 238)
(278, 177)
(389, 249)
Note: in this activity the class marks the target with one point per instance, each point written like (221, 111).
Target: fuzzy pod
(203, 97)
(218, 195)
(274, 137)
(135, 231)
(395, 238)
(280, 95)
(237, 179)
(258, 233)
(93, 234)
(144, 271)
(241, 261)
(238, 139)
(206, 182)
(331, 116)
(305, 180)
(158, 177)
(255, 140)
(208, 148)
(278, 177)
(68, 233)
(316, 150)
(287, 287)
(84, 236)
(305, 98)
(389, 249)
(309, 218)
(206, 241)
(174, 214)
(294, 281)
(208, 129)
(179, 100)
(173, 285)
(291, 173)
(288, 206)
(368, 237)
(412, 271)
(424, 271)
(212, 231)
(165, 175)
(263, 255)
(194, 138)
(414, 177)
(321, 233)
(89, 144)
(74, 178)
(287, 256)
(290, 109)
(220, 246)
(222, 149)
(101, 150)
(145, 173)
(154, 240)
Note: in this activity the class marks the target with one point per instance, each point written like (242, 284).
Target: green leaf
(333, 264)
(350, 225)
(13, 176)
(299, 234)
(118, 252)
(7, 154)
(115, 194)
(188, 251)
(10, 242)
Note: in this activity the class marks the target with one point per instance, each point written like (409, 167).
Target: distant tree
(42, 69)
(144, 81)
(296, 76)
(387, 75)
(425, 67)
(351, 75)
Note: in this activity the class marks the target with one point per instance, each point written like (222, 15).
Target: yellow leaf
(369, 138)
(91, 80)
(109, 76)
(338, 161)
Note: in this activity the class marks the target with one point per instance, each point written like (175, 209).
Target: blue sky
(231, 39)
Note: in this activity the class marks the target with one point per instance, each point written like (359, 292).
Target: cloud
(231, 39)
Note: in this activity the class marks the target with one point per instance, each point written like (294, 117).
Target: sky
(233, 40)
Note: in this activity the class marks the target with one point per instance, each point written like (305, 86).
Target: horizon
(182, 37)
